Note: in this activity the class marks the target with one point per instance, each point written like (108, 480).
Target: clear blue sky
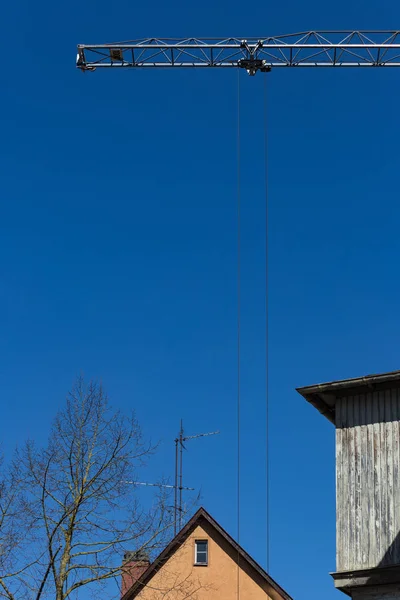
(118, 248)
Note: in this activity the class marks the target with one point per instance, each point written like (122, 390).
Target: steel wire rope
(267, 442)
(238, 329)
(266, 195)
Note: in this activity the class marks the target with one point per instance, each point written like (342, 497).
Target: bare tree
(176, 581)
(14, 522)
(82, 513)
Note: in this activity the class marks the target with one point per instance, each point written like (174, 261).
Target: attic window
(201, 552)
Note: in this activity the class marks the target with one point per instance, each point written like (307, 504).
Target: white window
(201, 552)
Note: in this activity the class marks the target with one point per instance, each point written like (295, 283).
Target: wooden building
(366, 414)
(202, 562)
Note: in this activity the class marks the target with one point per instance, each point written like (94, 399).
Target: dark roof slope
(275, 590)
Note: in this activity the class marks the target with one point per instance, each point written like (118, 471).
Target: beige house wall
(180, 579)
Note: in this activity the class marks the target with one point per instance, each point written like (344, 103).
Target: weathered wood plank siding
(368, 480)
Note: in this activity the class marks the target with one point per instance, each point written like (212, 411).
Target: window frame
(201, 564)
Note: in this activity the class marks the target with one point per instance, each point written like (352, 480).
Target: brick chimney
(133, 567)
(366, 414)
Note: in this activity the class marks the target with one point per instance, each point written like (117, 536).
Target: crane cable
(267, 462)
(238, 328)
(267, 449)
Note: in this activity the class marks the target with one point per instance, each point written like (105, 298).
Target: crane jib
(306, 49)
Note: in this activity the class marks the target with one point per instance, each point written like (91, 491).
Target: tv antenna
(178, 487)
(159, 485)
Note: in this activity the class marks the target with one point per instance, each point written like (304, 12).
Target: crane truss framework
(307, 49)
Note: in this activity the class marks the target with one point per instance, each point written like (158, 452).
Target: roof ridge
(183, 534)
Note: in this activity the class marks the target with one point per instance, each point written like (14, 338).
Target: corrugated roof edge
(313, 393)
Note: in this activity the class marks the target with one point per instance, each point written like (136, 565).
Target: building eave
(323, 396)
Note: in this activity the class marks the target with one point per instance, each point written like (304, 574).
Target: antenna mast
(179, 448)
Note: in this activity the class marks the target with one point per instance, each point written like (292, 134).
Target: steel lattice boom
(306, 49)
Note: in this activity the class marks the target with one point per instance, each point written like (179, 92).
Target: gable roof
(180, 538)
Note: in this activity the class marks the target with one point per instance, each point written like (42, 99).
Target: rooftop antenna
(163, 486)
(160, 485)
(179, 448)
